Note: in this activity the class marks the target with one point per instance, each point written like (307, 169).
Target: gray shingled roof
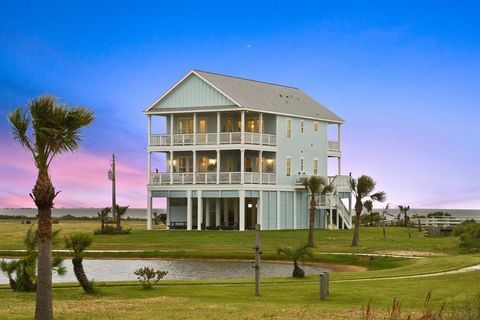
(269, 97)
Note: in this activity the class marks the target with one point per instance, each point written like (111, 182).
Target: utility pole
(111, 176)
(257, 260)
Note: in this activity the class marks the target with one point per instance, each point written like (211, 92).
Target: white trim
(288, 120)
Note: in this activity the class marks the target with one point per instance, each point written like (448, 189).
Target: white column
(260, 164)
(149, 166)
(149, 128)
(171, 128)
(194, 128)
(199, 210)
(242, 129)
(260, 207)
(149, 210)
(189, 210)
(168, 213)
(235, 210)
(242, 165)
(171, 167)
(218, 212)
(331, 213)
(218, 127)
(340, 146)
(261, 123)
(242, 210)
(294, 210)
(225, 211)
(194, 166)
(207, 212)
(218, 166)
(278, 210)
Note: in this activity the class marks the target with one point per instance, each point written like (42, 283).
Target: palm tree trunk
(80, 274)
(43, 194)
(311, 226)
(356, 231)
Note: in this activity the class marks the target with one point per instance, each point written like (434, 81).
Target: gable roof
(262, 96)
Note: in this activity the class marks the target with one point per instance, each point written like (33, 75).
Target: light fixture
(249, 205)
(269, 161)
(212, 161)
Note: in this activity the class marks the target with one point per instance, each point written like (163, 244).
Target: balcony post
(171, 167)
(242, 210)
(199, 210)
(171, 128)
(261, 128)
(149, 210)
(260, 164)
(242, 127)
(149, 128)
(218, 166)
(207, 213)
(278, 210)
(294, 210)
(218, 211)
(194, 166)
(194, 128)
(339, 148)
(189, 210)
(242, 165)
(218, 127)
(149, 166)
(225, 211)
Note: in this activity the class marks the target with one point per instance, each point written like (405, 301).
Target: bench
(177, 225)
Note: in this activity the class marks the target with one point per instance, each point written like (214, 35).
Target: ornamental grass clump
(146, 275)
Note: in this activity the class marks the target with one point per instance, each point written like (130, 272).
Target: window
(252, 125)
(301, 164)
(184, 164)
(302, 123)
(230, 125)
(288, 164)
(315, 126)
(185, 126)
(289, 128)
(202, 126)
(315, 166)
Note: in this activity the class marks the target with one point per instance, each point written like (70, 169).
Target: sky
(404, 75)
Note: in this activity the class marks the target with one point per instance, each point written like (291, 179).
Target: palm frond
(379, 196)
(77, 243)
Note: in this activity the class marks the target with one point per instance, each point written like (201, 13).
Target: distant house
(236, 151)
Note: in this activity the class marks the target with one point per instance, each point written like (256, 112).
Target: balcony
(334, 149)
(252, 138)
(184, 178)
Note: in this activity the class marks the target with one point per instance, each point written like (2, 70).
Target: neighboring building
(236, 151)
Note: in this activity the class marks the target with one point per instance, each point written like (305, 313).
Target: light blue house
(236, 153)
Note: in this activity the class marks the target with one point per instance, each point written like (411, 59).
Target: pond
(122, 269)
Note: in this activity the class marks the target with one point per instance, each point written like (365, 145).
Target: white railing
(335, 203)
(441, 221)
(180, 139)
(164, 178)
(334, 146)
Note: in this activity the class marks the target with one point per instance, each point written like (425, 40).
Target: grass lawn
(233, 299)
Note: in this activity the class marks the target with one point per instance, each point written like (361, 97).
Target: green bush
(438, 214)
(146, 274)
(110, 229)
(459, 229)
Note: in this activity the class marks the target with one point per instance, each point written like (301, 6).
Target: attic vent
(287, 97)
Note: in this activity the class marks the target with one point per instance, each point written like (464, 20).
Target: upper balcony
(216, 128)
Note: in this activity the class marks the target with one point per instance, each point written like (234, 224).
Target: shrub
(111, 230)
(470, 238)
(438, 214)
(459, 229)
(146, 274)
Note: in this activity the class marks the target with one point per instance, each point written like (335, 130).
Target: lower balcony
(165, 178)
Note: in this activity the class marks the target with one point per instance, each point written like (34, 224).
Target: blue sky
(404, 75)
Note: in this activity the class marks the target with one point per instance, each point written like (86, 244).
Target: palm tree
(383, 220)
(296, 254)
(314, 185)
(120, 212)
(50, 129)
(103, 215)
(368, 205)
(362, 188)
(77, 243)
(9, 268)
(404, 210)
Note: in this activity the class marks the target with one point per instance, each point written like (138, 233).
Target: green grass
(233, 299)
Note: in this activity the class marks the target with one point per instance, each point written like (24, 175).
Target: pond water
(122, 270)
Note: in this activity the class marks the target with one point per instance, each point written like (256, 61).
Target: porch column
(199, 210)
(340, 146)
(260, 129)
(242, 210)
(278, 210)
(168, 214)
(331, 213)
(218, 127)
(207, 212)
(189, 210)
(149, 128)
(171, 128)
(260, 164)
(242, 165)
(149, 166)
(171, 167)
(294, 209)
(194, 167)
(260, 208)
(235, 210)
(194, 128)
(218, 166)
(149, 210)
(225, 211)
(242, 129)
(218, 211)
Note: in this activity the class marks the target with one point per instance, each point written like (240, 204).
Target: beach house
(234, 152)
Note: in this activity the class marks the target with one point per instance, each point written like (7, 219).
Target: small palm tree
(314, 185)
(362, 188)
(368, 205)
(384, 212)
(295, 254)
(9, 268)
(50, 129)
(120, 212)
(103, 215)
(404, 210)
(77, 243)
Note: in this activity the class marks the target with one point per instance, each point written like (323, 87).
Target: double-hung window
(289, 128)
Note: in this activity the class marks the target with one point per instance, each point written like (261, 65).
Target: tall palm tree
(103, 215)
(363, 188)
(314, 185)
(384, 212)
(404, 210)
(77, 243)
(368, 205)
(46, 129)
(120, 212)
(295, 254)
